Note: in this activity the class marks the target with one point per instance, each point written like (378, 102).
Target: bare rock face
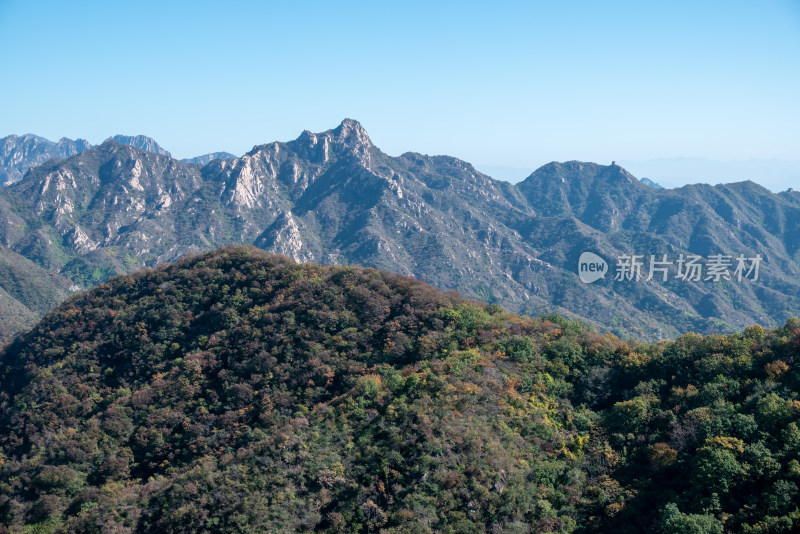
(142, 142)
(284, 237)
(18, 154)
(334, 197)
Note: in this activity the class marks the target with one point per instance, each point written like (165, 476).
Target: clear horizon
(510, 87)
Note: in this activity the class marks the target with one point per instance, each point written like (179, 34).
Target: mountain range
(18, 154)
(335, 198)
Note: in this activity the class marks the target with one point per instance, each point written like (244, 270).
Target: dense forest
(238, 391)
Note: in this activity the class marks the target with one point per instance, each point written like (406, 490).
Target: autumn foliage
(237, 391)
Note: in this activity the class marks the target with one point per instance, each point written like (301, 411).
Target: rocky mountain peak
(114, 149)
(348, 138)
(351, 132)
(18, 154)
(308, 138)
(574, 173)
(619, 173)
(70, 147)
(32, 138)
(142, 142)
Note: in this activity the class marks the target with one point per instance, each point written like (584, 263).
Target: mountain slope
(334, 197)
(27, 291)
(16, 317)
(39, 289)
(650, 183)
(238, 391)
(625, 217)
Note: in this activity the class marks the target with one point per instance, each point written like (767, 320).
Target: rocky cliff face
(142, 142)
(334, 197)
(20, 153)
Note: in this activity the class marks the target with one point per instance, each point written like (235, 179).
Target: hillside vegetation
(27, 291)
(238, 391)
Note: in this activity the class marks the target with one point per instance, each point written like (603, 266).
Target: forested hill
(238, 391)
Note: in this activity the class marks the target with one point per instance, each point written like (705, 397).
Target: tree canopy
(237, 391)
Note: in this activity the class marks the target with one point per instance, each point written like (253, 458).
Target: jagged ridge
(334, 197)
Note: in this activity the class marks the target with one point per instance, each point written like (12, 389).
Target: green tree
(672, 521)
(714, 469)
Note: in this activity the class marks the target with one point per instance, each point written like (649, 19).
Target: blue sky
(512, 84)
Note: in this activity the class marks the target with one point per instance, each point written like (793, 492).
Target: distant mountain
(333, 197)
(207, 158)
(774, 174)
(142, 142)
(20, 153)
(651, 183)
